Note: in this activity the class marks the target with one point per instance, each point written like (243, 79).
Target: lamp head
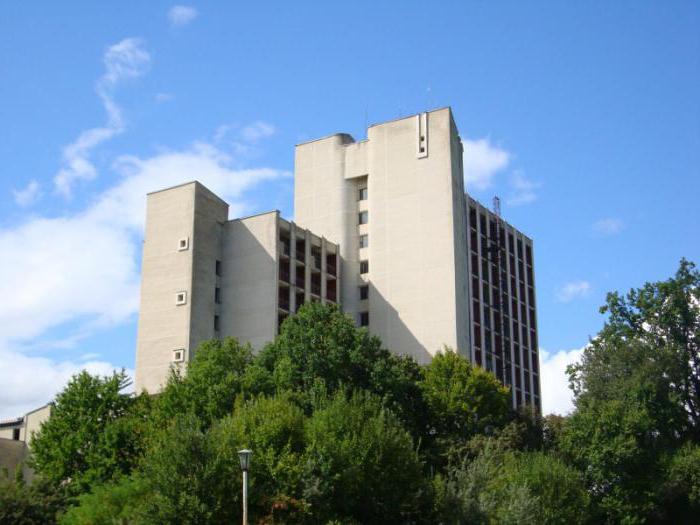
(244, 457)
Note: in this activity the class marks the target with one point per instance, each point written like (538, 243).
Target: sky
(584, 118)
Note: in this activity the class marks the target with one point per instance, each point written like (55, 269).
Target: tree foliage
(93, 434)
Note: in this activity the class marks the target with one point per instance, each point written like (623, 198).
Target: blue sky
(584, 119)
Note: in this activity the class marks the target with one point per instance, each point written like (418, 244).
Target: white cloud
(85, 265)
(257, 131)
(181, 15)
(124, 60)
(30, 382)
(82, 268)
(573, 290)
(557, 398)
(28, 195)
(522, 190)
(482, 161)
(608, 226)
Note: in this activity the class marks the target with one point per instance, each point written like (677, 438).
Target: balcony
(331, 264)
(299, 280)
(316, 288)
(284, 248)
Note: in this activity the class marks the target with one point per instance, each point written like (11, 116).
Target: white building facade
(423, 266)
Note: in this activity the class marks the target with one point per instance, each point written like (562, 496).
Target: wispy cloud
(573, 290)
(608, 226)
(257, 131)
(181, 15)
(124, 60)
(482, 161)
(523, 190)
(557, 398)
(28, 195)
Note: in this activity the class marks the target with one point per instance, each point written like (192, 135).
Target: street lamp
(244, 457)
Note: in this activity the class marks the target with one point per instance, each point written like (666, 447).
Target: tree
(88, 437)
(651, 339)
(35, 504)
(214, 378)
(121, 501)
(636, 395)
(319, 351)
(362, 464)
(502, 486)
(463, 400)
(274, 429)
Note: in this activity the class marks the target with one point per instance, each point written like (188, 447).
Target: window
(363, 217)
(364, 267)
(362, 194)
(181, 298)
(364, 292)
(179, 355)
(15, 434)
(218, 268)
(217, 295)
(183, 244)
(364, 241)
(216, 323)
(364, 318)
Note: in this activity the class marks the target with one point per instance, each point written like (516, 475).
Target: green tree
(274, 429)
(122, 501)
(319, 350)
(463, 400)
(636, 396)
(505, 487)
(362, 464)
(89, 437)
(217, 374)
(37, 503)
(650, 343)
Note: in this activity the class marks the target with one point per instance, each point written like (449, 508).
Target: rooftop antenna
(497, 206)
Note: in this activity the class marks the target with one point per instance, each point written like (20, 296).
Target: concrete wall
(185, 213)
(249, 279)
(416, 252)
(210, 216)
(325, 201)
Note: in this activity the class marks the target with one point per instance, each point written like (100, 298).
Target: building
(204, 277)
(419, 256)
(423, 265)
(15, 440)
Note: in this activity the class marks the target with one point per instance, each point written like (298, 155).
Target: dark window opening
(218, 268)
(364, 292)
(364, 267)
(364, 318)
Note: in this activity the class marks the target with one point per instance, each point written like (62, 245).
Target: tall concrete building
(204, 276)
(423, 265)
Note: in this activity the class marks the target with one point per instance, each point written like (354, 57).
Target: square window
(362, 194)
(364, 267)
(179, 355)
(364, 318)
(364, 241)
(364, 292)
(363, 217)
(181, 298)
(183, 244)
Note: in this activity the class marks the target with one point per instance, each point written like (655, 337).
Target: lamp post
(244, 457)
